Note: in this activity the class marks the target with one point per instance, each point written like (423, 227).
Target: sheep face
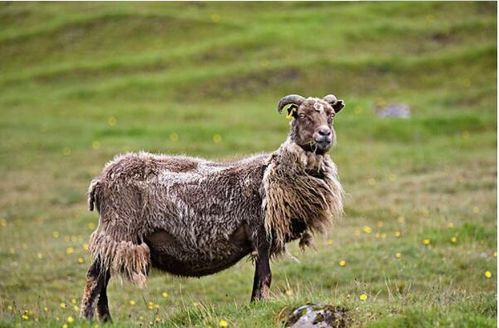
(312, 125)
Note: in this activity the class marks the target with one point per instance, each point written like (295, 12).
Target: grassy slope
(80, 83)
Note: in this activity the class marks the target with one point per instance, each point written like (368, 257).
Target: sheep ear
(338, 106)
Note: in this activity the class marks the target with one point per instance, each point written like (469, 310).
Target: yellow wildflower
(367, 229)
(426, 242)
(453, 239)
(488, 274)
(131, 302)
(164, 294)
(70, 319)
(70, 250)
(223, 324)
(95, 145)
(342, 263)
(25, 317)
(363, 297)
(217, 138)
(81, 260)
(215, 18)
(111, 121)
(397, 234)
(173, 137)
(398, 255)
(63, 305)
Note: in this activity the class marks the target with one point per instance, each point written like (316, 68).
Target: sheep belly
(171, 255)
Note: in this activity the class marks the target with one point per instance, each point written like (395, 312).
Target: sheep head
(312, 121)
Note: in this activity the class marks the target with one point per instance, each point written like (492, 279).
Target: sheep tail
(124, 258)
(93, 192)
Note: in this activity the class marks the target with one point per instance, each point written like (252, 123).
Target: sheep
(192, 217)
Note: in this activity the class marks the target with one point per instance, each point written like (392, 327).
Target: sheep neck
(301, 187)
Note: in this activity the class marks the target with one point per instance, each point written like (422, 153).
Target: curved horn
(334, 102)
(330, 99)
(290, 99)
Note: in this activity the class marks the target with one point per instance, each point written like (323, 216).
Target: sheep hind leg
(102, 304)
(263, 276)
(93, 287)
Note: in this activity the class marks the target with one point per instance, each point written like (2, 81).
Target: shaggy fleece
(282, 196)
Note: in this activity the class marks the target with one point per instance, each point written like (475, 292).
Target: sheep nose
(325, 132)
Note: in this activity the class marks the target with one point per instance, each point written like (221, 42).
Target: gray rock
(318, 316)
(394, 110)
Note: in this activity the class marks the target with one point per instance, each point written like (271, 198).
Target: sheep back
(200, 203)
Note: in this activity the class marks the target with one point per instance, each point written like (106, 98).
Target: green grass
(82, 82)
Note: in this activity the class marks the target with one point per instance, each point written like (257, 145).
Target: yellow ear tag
(290, 114)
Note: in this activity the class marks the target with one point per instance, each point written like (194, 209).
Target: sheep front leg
(263, 275)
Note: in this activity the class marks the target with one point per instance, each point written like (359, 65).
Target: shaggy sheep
(193, 217)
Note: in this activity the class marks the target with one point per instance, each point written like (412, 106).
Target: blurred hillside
(82, 82)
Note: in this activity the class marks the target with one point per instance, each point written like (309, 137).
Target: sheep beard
(292, 193)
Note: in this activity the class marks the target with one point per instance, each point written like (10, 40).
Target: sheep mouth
(323, 143)
(320, 145)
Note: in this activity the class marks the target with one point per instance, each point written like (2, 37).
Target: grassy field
(82, 82)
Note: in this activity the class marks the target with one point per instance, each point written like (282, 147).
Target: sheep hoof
(106, 318)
